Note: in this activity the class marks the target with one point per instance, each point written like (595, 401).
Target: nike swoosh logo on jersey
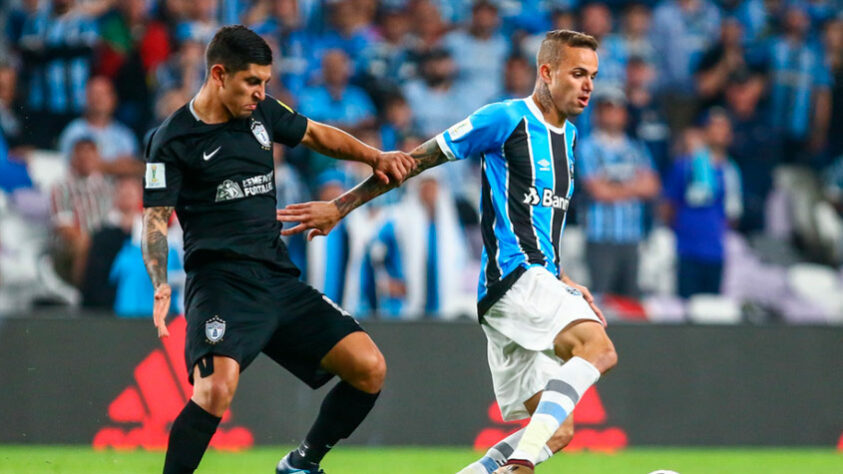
(208, 156)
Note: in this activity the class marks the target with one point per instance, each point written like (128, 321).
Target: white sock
(557, 402)
(497, 455)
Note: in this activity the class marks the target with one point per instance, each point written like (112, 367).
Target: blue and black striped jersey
(528, 180)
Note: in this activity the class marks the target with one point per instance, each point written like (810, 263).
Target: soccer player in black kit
(211, 161)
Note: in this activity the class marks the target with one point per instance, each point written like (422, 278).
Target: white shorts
(520, 329)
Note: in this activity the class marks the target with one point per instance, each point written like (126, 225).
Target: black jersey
(220, 179)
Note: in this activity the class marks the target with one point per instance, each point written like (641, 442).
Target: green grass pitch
(359, 460)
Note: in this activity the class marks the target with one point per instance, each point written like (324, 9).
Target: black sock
(189, 438)
(343, 409)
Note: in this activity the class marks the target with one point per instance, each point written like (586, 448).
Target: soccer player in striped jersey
(546, 339)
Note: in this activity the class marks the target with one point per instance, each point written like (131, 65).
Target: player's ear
(544, 73)
(217, 74)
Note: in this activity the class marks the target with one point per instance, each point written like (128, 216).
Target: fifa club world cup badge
(259, 131)
(214, 329)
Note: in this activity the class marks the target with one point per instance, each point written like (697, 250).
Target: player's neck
(208, 108)
(550, 113)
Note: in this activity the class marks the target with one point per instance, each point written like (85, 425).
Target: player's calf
(215, 381)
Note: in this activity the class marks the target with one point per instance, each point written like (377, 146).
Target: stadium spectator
(759, 19)
(800, 88)
(635, 33)
(56, 48)
(384, 63)
(10, 123)
(619, 180)
(184, 70)
(518, 78)
(437, 101)
(199, 21)
(702, 193)
(724, 60)
(682, 30)
(284, 29)
(755, 150)
(16, 18)
(596, 20)
(117, 145)
(132, 47)
(98, 291)
(290, 188)
(352, 31)
(480, 52)
(646, 120)
(397, 122)
(79, 206)
(428, 29)
(337, 102)
(133, 296)
(422, 251)
(833, 42)
(328, 258)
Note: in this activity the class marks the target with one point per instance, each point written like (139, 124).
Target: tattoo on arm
(427, 155)
(154, 243)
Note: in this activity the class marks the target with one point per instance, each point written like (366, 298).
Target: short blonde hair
(550, 51)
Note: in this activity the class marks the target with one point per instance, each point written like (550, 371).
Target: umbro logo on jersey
(545, 165)
(207, 156)
(547, 199)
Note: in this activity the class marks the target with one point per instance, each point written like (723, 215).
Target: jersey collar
(534, 109)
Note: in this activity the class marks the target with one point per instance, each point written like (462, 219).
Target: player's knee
(600, 352)
(214, 396)
(606, 357)
(561, 438)
(370, 373)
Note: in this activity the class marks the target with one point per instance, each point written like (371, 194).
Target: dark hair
(550, 51)
(235, 47)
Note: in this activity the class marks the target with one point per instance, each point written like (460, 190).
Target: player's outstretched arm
(155, 249)
(321, 216)
(392, 166)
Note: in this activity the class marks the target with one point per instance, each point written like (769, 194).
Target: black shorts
(239, 308)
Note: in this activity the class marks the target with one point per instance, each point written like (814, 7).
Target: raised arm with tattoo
(155, 249)
(321, 216)
(389, 166)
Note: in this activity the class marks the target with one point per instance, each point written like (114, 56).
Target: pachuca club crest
(214, 329)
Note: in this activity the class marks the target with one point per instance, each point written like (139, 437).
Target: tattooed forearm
(427, 155)
(154, 243)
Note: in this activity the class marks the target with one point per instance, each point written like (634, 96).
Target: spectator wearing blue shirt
(647, 123)
(56, 46)
(519, 78)
(10, 122)
(800, 89)
(351, 30)
(438, 102)
(682, 30)
(619, 180)
(337, 102)
(480, 52)
(420, 253)
(292, 43)
(385, 63)
(596, 20)
(755, 150)
(702, 192)
(117, 144)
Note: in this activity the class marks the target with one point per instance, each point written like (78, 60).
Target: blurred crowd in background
(709, 169)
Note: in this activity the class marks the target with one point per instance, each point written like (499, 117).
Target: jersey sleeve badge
(155, 176)
(460, 129)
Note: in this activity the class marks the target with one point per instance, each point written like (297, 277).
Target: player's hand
(319, 217)
(161, 308)
(393, 165)
(586, 294)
